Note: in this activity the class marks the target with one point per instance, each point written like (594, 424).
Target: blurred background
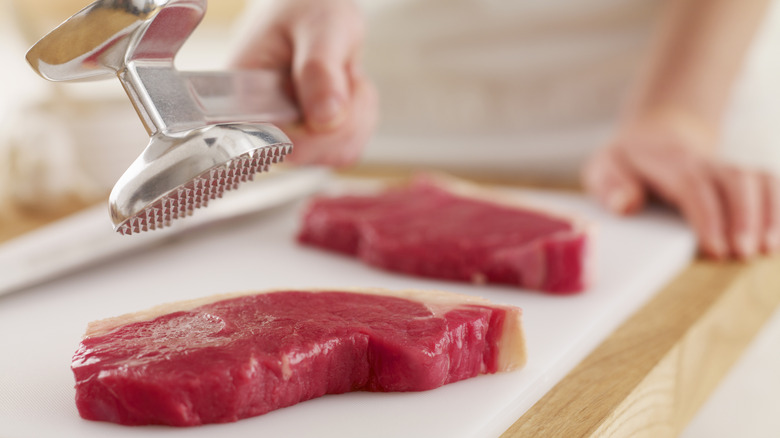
(528, 89)
(64, 145)
(520, 90)
(506, 88)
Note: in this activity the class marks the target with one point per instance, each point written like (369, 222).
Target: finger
(771, 200)
(267, 50)
(364, 120)
(683, 179)
(613, 183)
(324, 46)
(741, 192)
(261, 39)
(696, 195)
(342, 146)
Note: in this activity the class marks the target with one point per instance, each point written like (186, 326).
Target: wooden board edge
(651, 375)
(16, 219)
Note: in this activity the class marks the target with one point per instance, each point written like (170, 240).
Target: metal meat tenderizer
(207, 130)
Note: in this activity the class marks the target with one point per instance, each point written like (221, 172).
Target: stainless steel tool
(208, 131)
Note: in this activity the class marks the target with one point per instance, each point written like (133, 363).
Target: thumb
(613, 183)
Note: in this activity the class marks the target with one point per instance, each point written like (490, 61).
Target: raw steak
(452, 230)
(229, 357)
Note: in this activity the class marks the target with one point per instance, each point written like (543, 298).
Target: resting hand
(316, 44)
(735, 211)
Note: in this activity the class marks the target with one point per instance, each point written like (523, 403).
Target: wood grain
(16, 219)
(654, 372)
(396, 173)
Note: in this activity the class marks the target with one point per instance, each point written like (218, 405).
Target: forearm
(697, 53)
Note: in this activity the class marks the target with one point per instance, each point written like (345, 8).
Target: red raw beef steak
(451, 230)
(229, 357)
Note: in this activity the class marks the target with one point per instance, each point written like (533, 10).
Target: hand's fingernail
(746, 245)
(327, 114)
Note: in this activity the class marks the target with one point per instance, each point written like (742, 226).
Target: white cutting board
(41, 327)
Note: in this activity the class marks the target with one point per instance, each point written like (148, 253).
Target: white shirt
(508, 86)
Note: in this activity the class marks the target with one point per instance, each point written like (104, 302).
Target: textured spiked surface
(197, 193)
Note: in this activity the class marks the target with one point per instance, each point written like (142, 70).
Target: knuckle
(314, 67)
(694, 181)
